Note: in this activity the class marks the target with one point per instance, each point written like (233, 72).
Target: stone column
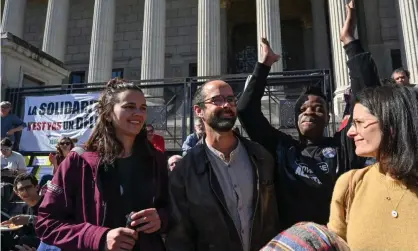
(341, 77)
(224, 38)
(14, 17)
(101, 50)
(209, 38)
(153, 45)
(320, 35)
(409, 20)
(268, 26)
(55, 35)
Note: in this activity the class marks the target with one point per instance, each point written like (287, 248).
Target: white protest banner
(48, 118)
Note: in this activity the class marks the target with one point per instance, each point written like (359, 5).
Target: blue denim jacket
(190, 142)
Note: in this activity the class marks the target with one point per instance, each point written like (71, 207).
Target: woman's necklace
(394, 212)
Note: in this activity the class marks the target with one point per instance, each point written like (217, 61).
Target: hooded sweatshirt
(306, 173)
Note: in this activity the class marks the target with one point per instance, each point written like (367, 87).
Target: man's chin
(308, 131)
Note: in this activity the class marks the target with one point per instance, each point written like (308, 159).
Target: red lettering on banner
(44, 126)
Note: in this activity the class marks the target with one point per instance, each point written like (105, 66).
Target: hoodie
(306, 173)
(80, 205)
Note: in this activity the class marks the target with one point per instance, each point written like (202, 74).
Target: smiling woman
(116, 187)
(375, 207)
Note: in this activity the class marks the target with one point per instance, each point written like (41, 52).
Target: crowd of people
(355, 190)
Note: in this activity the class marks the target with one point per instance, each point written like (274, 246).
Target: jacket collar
(199, 151)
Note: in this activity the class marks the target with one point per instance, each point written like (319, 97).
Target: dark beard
(220, 124)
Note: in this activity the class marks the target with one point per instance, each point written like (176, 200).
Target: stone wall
(181, 37)
(127, 47)
(181, 34)
(388, 13)
(382, 32)
(35, 15)
(79, 35)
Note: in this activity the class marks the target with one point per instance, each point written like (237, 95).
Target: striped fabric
(306, 236)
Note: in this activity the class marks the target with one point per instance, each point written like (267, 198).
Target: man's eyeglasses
(6, 149)
(221, 100)
(25, 188)
(65, 143)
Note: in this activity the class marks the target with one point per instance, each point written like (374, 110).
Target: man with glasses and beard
(222, 191)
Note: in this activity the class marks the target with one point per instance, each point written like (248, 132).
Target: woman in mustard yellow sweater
(376, 208)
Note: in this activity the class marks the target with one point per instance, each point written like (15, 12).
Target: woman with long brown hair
(64, 146)
(375, 208)
(111, 195)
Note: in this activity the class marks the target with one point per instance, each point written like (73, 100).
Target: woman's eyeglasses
(65, 143)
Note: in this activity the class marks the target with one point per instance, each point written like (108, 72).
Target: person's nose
(309, 111)
(226, 104)
(352, 132)
(139, 112)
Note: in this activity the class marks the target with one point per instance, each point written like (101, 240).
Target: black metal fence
(171, 110)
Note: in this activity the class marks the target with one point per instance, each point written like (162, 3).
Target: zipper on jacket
(229, 214)
(103, 204)
(256, 202)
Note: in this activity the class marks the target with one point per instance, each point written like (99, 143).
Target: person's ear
(198, 111)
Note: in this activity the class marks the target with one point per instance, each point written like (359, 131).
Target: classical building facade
(155, 39)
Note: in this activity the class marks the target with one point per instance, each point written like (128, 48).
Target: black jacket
(199, 209)
(306, 174)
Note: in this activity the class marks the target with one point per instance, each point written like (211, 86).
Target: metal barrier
(171, 109)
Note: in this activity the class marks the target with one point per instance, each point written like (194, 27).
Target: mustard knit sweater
(371, 225)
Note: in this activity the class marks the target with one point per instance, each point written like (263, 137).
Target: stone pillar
(341, 77)
(320, 35)
(153, 45)
(55, 35)
(224, 38)
(209, 38)
(101, 50)
(268, 26)
(14, 17)
(409, 20)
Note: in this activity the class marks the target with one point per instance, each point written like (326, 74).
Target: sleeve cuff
(97, 234)
(261, 70)
(164, 219)
(353, 48)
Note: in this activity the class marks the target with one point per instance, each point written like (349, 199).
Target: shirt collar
(220, 155)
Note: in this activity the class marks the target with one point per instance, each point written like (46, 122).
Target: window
(117, 73)
(77, 77)
(192, 70)
(396, 58)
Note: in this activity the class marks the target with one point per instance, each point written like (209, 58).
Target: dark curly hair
(396, 108)
(103, 138)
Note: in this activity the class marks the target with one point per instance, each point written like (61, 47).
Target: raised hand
(347, 32)
(268, 56)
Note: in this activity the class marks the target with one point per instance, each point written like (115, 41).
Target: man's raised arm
(249, 105)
